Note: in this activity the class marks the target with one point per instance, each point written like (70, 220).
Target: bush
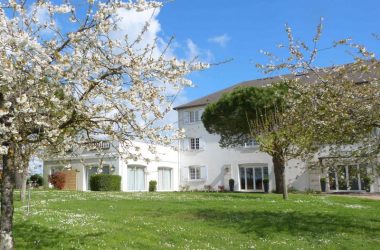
(105, 182)
(152, 186)
(37, 179)
(58, 180)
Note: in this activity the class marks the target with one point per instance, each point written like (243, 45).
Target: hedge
(37, 179)
(152, 186)
(105, 182)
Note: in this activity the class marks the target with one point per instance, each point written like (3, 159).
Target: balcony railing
(99, 145)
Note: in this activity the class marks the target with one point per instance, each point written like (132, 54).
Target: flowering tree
(334, 106)
(71, 77)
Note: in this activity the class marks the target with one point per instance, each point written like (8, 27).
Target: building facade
(135, 172)
(204, 164)
(199, 163)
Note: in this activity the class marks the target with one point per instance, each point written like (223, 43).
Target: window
(136, 178)
(251, 144)
(194, 143)
(164, 179)
(192, 116)
(251, 177)
(195, 173)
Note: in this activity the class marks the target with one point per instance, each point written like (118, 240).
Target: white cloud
(196, 53)
(132, 22)
(221, 40)
(192, 50)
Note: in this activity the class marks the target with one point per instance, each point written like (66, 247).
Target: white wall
(216, 159)
(164, 157)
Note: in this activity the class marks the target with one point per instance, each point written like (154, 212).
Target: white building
(200, 163)
(204, 164)
(135, 173)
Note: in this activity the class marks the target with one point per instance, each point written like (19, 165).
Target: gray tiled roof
(355, 76)
(216, 95)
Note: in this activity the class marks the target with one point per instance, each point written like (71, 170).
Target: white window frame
(159, 187)
(251, 144)
(197, 173)
(193, 116)
(195, 143)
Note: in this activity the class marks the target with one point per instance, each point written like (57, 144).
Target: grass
(100, 220)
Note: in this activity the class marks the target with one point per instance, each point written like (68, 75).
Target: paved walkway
(366, 196)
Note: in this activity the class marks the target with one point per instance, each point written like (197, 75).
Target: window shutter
(185, 173)
(186, 117)
(185, 144)
(204, 172)
(196, 115)
(200, 112)
(202, 144)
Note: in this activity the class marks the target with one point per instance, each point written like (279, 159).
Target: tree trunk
(280, 176)
(278, 165)
(8, 182)
(284, 184)
(24, 179)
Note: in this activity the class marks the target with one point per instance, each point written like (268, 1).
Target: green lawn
(99, 220)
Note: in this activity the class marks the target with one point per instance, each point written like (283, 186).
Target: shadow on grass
(32, 236)
(264, 223)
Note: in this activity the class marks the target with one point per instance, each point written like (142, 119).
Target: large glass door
(136, 178)
(251, 178)
(165, 179)
(258, 179)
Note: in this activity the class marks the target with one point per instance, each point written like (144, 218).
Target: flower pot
(231, 183)
(266, 187)
(323, 186)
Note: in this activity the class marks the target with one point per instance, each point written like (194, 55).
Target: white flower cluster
(59, 89)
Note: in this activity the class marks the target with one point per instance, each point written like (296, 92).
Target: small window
(193, 116)
(251, 144)
(194, 143)
(195, 173)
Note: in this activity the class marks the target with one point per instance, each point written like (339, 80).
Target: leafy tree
(253, 112)
(335, 106)
(68, 86)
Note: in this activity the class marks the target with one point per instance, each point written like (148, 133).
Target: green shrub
(152, 186)
(105, 182)
(37, 179)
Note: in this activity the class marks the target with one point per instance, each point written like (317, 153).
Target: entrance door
(136, 178)
(164, 179)
(251, 178)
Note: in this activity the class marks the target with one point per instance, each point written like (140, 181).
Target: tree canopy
(249, 113)
(232, 115)
(70, 73)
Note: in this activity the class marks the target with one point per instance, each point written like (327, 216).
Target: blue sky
(246, 26)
